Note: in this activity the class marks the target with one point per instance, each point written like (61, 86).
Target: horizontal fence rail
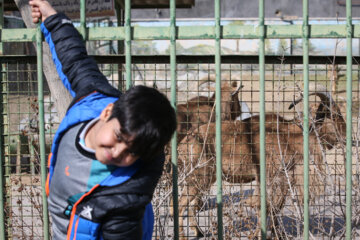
(198, 59)
(195, 32)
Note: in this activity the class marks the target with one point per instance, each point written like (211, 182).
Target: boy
(107, 155)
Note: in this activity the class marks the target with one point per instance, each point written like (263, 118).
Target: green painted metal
(120, 44)
(227, 32)
(2, 200)
(18, 35)
(262, 120)
(348, 120)
(283, 31)
(218, 139)
(128, 43)
(6, 139)
(149, 33)
(306, 115)
(194, 32)
(111, 33)
(200, 32)
(82, 29)
(39, 54)
(315, 31)
(173, 102)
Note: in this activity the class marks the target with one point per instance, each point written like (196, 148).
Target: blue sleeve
(148, 223)
(78, 72)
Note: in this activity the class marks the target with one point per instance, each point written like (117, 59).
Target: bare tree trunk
(59, 93)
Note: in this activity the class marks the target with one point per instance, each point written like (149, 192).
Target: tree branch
(59, 93)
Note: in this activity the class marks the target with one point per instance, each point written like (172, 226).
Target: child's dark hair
(147, 115)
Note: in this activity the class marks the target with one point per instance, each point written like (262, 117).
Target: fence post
(128, 43)
(39, 53)
(83, 19)
(349, 33)
(173, 102)
(2, 202)
(262, 119)
(306, 115)
(218, 119)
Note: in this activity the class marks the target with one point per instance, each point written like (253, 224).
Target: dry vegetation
(284, 156)
(240, 156)
(240, 148)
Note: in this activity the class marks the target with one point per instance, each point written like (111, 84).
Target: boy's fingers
(32, 3)
(35, 4)
(35, 10)
(35, 19)
(35, 15)
(43, 7)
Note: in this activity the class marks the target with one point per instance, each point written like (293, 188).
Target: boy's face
(111, 147)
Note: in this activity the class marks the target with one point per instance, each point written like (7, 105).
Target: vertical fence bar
(349, 32)
(120, 44)
(306, 115)
(128, 43)
(173, 102)
(2, 202)
(39, 53)
(83, 19)
(262, 118)
(218, 118)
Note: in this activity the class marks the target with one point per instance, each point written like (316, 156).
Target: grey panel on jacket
(71, 177)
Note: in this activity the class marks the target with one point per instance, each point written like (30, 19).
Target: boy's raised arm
(78, 72)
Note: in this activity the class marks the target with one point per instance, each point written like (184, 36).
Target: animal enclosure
(263, 145)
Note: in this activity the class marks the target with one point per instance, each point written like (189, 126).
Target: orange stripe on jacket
(76, 226)
(74, 210)
(47, 185)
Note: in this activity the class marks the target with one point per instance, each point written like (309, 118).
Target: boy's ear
(106, 113)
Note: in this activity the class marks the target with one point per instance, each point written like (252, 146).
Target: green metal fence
(270, 82)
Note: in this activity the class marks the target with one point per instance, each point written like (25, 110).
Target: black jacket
(118, 209)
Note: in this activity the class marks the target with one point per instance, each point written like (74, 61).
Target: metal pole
(218, 118)
(173, 102)
(262, 119)
(349, 33)
(83, 19)
(120, 43)
(306, 115)
(128, 43)
(2, 200)
(39, 53)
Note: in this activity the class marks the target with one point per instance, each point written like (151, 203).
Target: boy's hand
(41, 9)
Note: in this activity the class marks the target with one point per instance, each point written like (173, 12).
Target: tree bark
(59, 93)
